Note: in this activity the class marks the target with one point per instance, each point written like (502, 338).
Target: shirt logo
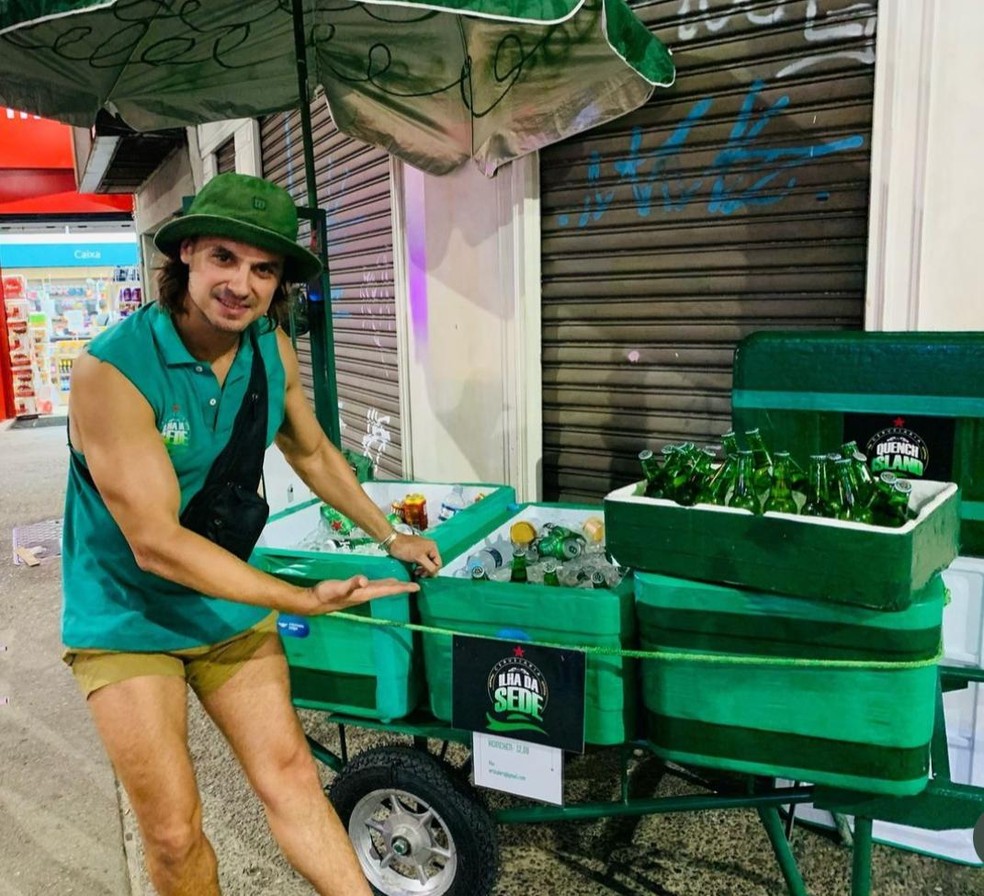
(176, 431)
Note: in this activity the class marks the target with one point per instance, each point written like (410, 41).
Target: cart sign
(518, 690)
(914, 447)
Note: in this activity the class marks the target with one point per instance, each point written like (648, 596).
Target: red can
(415, 511)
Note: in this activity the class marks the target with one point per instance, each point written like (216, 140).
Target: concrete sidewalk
(63, 829)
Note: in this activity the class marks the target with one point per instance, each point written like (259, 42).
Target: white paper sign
(518, 767)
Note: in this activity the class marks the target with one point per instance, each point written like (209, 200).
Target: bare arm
(114, 427)
(324, 470)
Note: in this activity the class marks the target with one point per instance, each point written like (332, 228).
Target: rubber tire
(435, 783)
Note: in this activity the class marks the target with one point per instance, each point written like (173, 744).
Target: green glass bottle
(729, 444)
(478, 574)
(762, 463)
(852, 508)
(849, 449)
(518, 573)
(550, 576)
(743, 495)
(780, 498)
(701, 471)
(653, 473)
(816, 486)
(881, 498)
(715, 489)
(598, 579)
(899, 511)
(862, 477)
(795, 474)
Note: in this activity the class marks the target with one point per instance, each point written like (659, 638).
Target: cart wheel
(416, 831)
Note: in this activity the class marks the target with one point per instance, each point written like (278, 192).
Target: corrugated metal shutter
(354, 187)
(735, 201)
(225, 157)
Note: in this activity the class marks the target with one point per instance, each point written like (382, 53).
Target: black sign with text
(518, 690)
(910, 446)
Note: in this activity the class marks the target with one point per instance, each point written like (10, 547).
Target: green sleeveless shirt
(109, 602)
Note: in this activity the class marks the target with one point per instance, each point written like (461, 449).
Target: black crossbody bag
(227, 509)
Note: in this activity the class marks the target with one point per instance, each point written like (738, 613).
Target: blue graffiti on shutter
(729, 191)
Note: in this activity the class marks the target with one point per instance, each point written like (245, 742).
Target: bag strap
(234, 463)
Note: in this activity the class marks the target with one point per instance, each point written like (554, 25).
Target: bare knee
(289, 772)
(174, 841)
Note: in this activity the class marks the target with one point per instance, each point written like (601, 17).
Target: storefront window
(56, 298)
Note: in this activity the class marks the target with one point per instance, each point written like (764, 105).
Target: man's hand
(415, 549)
(339, 594)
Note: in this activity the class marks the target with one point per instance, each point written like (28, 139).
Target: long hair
(172, 286)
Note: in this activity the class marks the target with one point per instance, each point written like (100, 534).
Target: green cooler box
(914, 402)
(801, 556)
(738, 705)
(350, 667)
(574, 617)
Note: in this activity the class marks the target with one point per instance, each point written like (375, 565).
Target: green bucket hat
(249, 210)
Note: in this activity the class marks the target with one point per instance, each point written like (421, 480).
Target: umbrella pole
(322, 329)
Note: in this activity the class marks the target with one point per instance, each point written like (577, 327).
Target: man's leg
(144, 726)
(254, 712)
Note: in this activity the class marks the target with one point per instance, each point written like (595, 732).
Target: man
(151, 606)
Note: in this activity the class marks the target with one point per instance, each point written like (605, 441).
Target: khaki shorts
(205, 668)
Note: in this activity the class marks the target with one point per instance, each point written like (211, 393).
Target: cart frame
(942, 805)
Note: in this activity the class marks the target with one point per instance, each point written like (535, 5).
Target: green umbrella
(433, 83)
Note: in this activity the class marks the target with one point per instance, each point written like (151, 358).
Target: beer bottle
(700, 472)
(762, 460)
(518, 567)
(677, 474)
(899, 511)
(881, 497)
(729, 444)
(851, 507)
(831, 496)
(478, 574)
(862, 477)
(849, 449)
(743, 494)
(550, 576)
(598, 579)
(716, 486)
(816, 486)
(794, 472)
(780, 498)
(653, 473)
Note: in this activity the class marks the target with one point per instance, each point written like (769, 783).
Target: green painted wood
(866, 566)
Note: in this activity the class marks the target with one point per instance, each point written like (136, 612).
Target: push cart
(418, 824)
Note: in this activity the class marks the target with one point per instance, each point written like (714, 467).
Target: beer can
(415, 511)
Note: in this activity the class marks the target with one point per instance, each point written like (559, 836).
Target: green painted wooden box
(807, 391)
(351, 667)
(822, 559)
(574, 617)
(727, 707)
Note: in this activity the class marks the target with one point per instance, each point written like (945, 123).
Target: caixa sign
(67, 255)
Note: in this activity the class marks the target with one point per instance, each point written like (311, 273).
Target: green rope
(667, 655)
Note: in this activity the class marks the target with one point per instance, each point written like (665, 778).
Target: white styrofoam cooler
(963, 645)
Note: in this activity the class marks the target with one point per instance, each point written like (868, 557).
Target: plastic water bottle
(488, 559)
(452, 503)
